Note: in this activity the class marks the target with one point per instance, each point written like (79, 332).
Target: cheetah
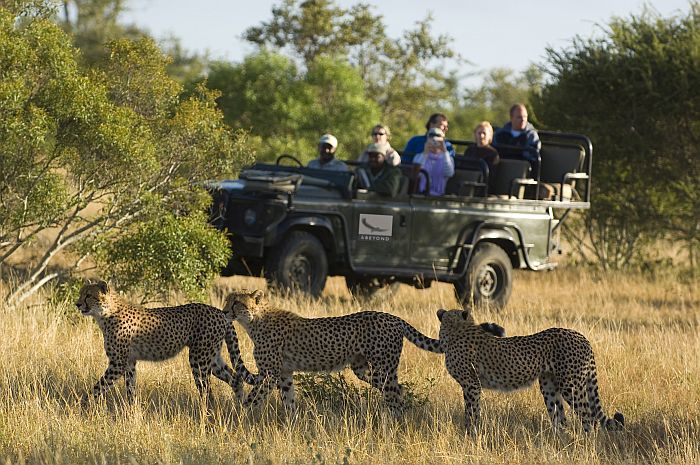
(369, 341)
(561, 359)
(132, 332)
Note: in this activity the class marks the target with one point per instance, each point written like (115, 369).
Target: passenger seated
(326, 155)
(383, 178)
(436, 161)
(416, 143)
(482, 148)
(381, 135)
(520, 133)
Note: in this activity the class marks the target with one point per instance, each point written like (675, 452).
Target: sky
(488, 34)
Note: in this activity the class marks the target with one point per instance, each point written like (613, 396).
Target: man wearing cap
(384, 179)
(326, 155)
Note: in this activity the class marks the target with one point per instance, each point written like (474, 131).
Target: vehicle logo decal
(375, 227)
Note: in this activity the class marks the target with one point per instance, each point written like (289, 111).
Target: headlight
(250, 217)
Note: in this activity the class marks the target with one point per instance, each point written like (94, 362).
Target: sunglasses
(379, 133)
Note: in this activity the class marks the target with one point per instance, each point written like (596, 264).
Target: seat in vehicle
(510, 178)
(561, 166)
(471, 178)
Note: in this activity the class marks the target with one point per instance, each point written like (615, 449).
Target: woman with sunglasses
(381, 135)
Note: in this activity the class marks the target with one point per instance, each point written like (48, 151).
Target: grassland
(645, 333)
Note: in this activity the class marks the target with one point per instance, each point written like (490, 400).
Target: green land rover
(296, 226)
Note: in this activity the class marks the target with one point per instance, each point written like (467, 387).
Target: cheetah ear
(258, 295)
(467, 312)
(440, 314)
(103, 286)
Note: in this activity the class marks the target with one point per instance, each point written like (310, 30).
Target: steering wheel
(283, 156)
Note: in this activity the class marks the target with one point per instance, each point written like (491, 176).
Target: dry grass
(645, 334)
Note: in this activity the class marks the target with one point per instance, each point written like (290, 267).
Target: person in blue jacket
(416, 144)
(519, 132)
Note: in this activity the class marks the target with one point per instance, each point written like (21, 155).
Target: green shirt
(387, 182)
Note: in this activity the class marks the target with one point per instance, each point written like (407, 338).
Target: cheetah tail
(617, 422)
(236, 359)
(421, 340)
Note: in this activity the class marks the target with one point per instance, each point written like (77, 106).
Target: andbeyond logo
(375, 227)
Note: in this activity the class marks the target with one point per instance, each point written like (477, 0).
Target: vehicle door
(380, 231)
(436, 226)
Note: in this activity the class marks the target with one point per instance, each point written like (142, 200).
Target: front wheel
(298, 263)
(489, 278)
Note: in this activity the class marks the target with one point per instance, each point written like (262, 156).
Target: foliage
(337, 393)
(327, 97)
(492, 99)
(635, 92)
(87, 157)
(143, 257)
(408, 78)
(92, 23)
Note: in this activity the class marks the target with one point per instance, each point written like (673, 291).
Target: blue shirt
(416, 144)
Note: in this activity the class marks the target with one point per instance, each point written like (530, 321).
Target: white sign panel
(375, 227)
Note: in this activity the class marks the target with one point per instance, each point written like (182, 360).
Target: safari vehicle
(296, 226)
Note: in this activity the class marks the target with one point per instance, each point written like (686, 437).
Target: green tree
(328, 96)
(492, 99)
(636, 92)
(93, 23)
(89, 160)
(408, 78)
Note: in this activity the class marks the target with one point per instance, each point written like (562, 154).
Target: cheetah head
(244, 305)
(462, 318)
(94, 299)
(452, 317)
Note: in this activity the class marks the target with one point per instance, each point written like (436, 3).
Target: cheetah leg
(222, 371)
(115, 370)
(582, 408)
(286, 387)
(130, 381)
(360, 367)
(472, 406)
(200, 363)
(261, 390)
(388, 382)
(575, 396)
(553, 401)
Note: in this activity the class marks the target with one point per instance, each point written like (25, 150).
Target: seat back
(470, 178)
(558, 160)
(412, 171)
(558, 163)
(505, 172)
(403, 186)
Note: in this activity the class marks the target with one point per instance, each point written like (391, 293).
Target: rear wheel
(489, 278)
(298, 263)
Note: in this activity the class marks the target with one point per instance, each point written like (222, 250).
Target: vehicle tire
(489, 278)
(298, 263)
